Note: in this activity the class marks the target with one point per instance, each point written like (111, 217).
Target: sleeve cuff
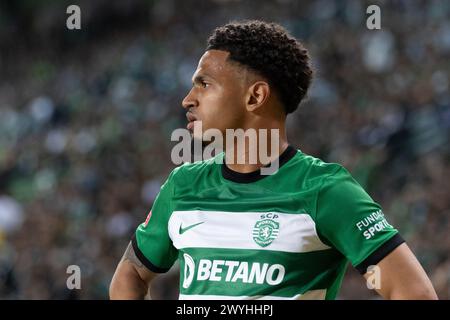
(144, 260)
(380, 253)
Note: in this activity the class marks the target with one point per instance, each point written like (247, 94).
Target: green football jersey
(289, 235)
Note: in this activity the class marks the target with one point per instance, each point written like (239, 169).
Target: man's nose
(189, 101)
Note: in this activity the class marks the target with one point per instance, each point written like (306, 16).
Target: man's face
(217, 97)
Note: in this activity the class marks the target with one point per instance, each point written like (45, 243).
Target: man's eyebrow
(200, 78)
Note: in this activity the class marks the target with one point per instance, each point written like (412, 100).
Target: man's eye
(204, 84)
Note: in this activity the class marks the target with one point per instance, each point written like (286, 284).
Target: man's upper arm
(130, 260)
(402, 276)
(131, 279)
(151, 242)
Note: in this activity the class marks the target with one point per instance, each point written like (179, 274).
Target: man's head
(250, 70)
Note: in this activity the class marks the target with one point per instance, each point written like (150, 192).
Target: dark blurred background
(86, 117)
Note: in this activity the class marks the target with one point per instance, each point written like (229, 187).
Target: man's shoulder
(314, 169)
(190, 170)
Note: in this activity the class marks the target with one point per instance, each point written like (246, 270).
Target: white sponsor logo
(232, 271)
(236, 271)
(372, 224)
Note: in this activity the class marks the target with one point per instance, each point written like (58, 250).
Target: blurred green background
(86, 117)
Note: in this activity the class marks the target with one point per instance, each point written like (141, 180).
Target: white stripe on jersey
(235, 230)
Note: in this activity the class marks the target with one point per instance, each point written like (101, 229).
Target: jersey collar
(253, 176)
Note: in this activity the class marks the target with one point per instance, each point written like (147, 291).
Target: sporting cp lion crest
(266, 230)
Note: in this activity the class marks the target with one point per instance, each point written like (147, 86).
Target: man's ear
(257, 94)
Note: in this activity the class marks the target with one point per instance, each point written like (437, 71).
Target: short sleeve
(151, 241)
(350, 221)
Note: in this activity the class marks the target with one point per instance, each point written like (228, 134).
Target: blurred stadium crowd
(86, 118)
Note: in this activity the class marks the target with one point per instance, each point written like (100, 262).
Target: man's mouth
(191, 119)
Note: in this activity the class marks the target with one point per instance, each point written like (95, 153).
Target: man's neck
(236, 161)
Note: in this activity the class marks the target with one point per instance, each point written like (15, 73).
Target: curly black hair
(268, 49)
